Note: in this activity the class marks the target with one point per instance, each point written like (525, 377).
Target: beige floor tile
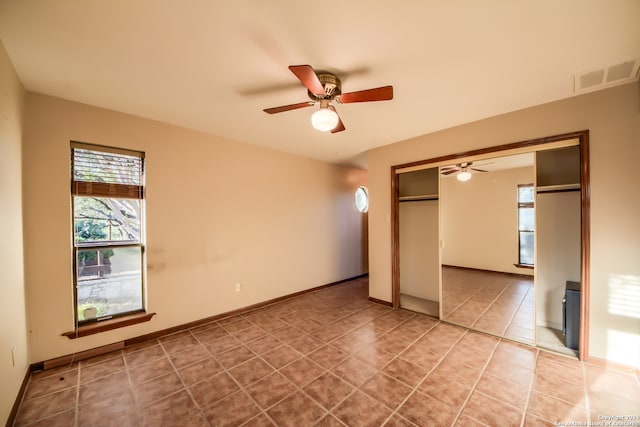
(332, 358)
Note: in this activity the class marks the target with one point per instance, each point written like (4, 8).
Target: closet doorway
(418, 213)
(556, 188)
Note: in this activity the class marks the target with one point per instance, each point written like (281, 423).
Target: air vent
(620, 71)
(594, 78)
(605, 77)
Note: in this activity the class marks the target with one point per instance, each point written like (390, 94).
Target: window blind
(104, 172)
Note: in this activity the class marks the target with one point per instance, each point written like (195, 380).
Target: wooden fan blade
(478, 170)
(449, 172)
(340, 126)
(308, 78)
(287, 107)
(383, 93)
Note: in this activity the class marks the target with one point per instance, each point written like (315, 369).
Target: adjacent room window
(108, 231)
(525, 224)
(362, 199)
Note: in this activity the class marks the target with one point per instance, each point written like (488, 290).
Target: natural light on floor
(623, 348)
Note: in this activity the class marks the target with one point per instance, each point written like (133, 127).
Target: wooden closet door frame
(585, 216)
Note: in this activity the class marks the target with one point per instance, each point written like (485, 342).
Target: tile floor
(328, 358)
(497, 303)
(420, 305)
(552, 339)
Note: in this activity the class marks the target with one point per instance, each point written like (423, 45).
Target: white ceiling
(214, 65)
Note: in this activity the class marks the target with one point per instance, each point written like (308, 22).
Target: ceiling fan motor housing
(332, 86)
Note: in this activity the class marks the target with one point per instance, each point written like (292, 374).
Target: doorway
(418, 212)
(579, 191)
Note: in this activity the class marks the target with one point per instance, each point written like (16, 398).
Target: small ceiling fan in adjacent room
(464, 170)
(323, 88)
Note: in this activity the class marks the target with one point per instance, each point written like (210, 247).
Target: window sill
(530, 267)
(107, 325)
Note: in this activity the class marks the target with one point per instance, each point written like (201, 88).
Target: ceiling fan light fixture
(464, 176)
(325, 119)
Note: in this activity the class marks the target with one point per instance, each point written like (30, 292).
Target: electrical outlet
(243, 285)
(237, 287)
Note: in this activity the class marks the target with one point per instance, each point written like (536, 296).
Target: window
(525, 224)
(362, 199)
(108, 231)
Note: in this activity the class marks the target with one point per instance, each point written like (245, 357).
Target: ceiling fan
(323, 88)
(464, 170)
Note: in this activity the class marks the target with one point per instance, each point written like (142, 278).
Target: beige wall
(479, 222)
(613, 118)
(218, 213)
(13, 327)
(419, 247)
